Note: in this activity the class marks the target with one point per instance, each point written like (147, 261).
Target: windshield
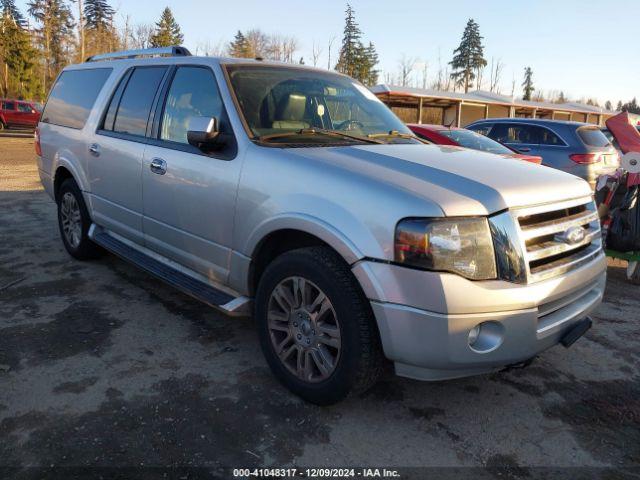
(475, 141)
(292, 105)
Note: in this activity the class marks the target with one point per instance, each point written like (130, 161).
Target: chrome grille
(559, 237)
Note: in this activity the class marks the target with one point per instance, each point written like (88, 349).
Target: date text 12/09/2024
(315, 473)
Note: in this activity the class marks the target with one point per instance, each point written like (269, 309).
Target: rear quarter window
(72, 97)
(593, 137)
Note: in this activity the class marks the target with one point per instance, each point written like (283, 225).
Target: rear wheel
(316, 327)
(74, 222)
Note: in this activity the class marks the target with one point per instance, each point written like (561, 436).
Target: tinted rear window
(137, 98)
(73, 96)
(593, 137)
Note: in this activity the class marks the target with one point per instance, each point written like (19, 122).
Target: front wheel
(317, 330)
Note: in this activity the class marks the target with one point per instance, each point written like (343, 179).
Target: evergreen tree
(240, 47)
(619, 106)
(351, 52)
(355, 59)
(631, 107)
(100, 35)
(561, 98)
(8, 7)
(98, 15)
(54, 34)
(167, 32)
(371, 74)
(468, 57)
(608, 105)
(527, 84)
(19, 57)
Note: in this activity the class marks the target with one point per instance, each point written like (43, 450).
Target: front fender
(346, 234)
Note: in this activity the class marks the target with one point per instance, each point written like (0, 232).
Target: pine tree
(54, 34)
(527, 84)
(561, 98)
(371, 59)
(167, 32)
(98, 15)
(19, 57)
(8, 7)
(240, 47)
(100, 35)
(468, 57)
(355, 59)
(619, 106)
(351, 52)
(608, 105)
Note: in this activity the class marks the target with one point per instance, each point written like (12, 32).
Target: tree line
(37, 44)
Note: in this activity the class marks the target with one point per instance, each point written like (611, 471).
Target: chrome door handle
(94, 149)
(158, 166)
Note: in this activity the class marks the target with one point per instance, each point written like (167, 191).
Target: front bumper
(424, 318)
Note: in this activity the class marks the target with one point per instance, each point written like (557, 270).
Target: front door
(189, 195)
(116, 151)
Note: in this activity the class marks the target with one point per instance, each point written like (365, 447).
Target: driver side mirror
(203, 131)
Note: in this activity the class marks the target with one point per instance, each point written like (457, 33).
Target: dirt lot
(102, 365)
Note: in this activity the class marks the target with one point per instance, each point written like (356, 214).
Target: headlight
(458, 245)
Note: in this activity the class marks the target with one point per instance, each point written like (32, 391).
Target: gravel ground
(101, 365)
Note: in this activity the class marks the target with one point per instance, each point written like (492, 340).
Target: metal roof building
(416, 105)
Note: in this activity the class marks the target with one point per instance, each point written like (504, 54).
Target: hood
(460, 181)
(623, 129)
(527, 158)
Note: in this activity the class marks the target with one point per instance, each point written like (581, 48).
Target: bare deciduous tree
(316, 51)
(496, 73)
(209, 49)
(406, 65)
(141, 35)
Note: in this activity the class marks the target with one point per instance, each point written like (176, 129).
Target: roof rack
(143, 52)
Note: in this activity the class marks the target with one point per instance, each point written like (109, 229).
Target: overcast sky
(586, 48)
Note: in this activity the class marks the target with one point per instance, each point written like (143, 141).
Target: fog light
(486, 337)
(473, 334)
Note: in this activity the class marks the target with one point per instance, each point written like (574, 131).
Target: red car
(18, 114)
(461, 137)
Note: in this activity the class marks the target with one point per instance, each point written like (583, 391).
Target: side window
(514, 133)
(9, 106)
(482, 129)
(72, 97)
(134, 105)
(193, 93)
(547, 137)
(23, 107)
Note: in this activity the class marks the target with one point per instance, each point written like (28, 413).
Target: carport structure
(416, 105)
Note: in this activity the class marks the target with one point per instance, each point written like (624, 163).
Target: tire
(352, 368)
(633, 272)
(74, 222)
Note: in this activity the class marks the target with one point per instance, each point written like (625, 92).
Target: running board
(216, 298)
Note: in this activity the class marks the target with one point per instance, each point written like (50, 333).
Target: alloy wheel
(71, 219)
(304, 329)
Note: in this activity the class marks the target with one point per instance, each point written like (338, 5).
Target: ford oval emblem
(573, 235)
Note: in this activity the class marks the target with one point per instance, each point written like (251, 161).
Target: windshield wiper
(318, 131)
(395, 134)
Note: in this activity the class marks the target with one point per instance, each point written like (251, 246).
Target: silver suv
(294, 195)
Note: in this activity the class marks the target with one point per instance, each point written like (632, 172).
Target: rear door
(26, 116)
(189, 195)
(116, 151)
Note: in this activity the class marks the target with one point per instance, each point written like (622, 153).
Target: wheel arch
(284, 238)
